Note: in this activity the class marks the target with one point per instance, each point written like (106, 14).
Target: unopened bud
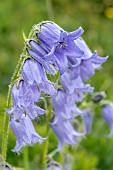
(98, 97)
(53, 166)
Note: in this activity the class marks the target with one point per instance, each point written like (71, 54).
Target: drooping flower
(34, 75)
(65, 132)
(24, 132)
(107, 113)
(53, 166)
(87, 120)
(23, 101)
(58, 44)
(48, 33)
(52, 34)
(64, 105)
(87, 64)
(75, 86)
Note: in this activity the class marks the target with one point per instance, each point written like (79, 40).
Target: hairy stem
(8, 103)
(26, 158)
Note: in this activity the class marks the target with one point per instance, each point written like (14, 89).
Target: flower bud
(98, 97)
(53, 166)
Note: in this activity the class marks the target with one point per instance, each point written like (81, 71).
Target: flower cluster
(68, 52)
(53, 50)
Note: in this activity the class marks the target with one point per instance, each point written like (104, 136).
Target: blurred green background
(95, 152)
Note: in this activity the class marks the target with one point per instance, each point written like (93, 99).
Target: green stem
(45, 146)
(44, 155)
(8, 103)
(26, 158)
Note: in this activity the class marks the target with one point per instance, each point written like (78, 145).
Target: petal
(31, 112)
(96, 59)
(30, 131)
(61, 62)
(39, 110)
(18, 113)
(10, 111)
(35, 95)
(58, 101)
(15, 126)
(31, 72)
(59, 134)
(15, 95)
(54, 28)
(48, 88)
(67, 83)
(73, 51)
(83, 46)
(49, 33)
(37, 48)
(50, 55)
(65, 132)
(87, 70)
(34, 110)
(107, 113)
(46, 65)
(87, 120)
(18, 147)
(34, 73)
(77, 33)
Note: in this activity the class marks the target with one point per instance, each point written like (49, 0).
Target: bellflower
(54, 49)
(107, 113)
(49, 33)
(24, 132)
(60, 43)
(34, 75)
(64, 105)
(65, 132)
(75, 86)
(88, 63)
(23, 101)
(53, 166)
(87, 120)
